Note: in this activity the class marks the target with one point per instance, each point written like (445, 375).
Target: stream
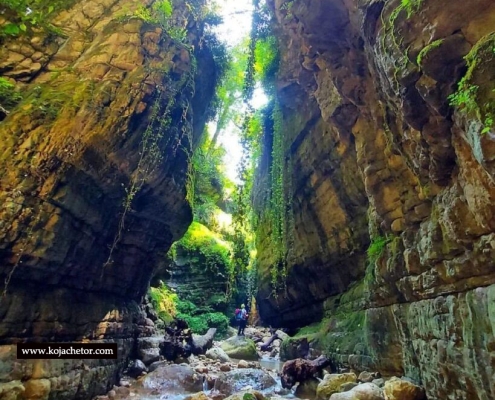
(178, 382)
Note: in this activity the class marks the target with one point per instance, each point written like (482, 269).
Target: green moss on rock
(240, 348)
(424, 52)
(205, 247)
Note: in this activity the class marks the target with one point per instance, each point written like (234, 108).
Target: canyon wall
(383, 159)
(94, 160)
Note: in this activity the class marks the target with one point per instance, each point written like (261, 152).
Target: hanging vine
(152, 145)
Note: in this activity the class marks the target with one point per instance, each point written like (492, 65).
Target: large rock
(364, 391)
(401, 389)
(137, 368)
(239, 379)
(149, 349)
(240, 347)
(174, 379)
(217, 353)
(331, 384)
(12, 390)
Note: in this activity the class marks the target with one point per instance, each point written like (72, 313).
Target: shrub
(164, 302)
(197, 324)
(376, 247)
(219, 321)
(9, 96)
(186, 307)
(206, 247)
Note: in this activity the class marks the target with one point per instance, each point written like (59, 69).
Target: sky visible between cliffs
(237, 15)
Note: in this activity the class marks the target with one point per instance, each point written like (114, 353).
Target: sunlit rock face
(379, 152)
(69, 154)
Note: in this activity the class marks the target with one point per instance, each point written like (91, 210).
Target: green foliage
(159, 13)
(48, 100)
(197, 324)
(200, 320)
(207, 180)
(178, 33)
(26, 15)
(465, 97)
(164, 302)
(155, 139)
(186, 307)
(280, 216)
(424, 52)
(227, 104)
(287, 8)
(267, 59)
(207, 248)
(163, 8)
(376, 248)
(410, 7)
(9, 96)
(470, 98)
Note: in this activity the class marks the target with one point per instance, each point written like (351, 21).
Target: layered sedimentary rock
(92, 189)
(383, 158)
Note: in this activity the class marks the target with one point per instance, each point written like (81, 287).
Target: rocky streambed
(238, 369)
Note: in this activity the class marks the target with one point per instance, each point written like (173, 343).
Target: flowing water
(178, 385)
(270, 363)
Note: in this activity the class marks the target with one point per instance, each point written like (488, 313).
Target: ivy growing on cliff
(277, 211)
(9, 95)
(400, 57)
(26, 16)
(471, 98)
(155, 139)
(262, 67)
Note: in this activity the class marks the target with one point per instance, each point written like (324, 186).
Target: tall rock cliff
(92, 191)
(387, 126)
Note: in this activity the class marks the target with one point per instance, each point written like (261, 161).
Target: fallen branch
(266, 346)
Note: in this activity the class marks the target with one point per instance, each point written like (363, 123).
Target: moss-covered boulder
(240, 348)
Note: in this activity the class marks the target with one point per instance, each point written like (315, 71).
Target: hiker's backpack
(238, 314)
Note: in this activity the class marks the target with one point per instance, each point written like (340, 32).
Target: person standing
(241, 316)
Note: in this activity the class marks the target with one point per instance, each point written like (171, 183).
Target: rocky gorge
(111, 106)
(387, 133)
(373, 198)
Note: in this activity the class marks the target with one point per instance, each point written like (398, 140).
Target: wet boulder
(149, 349)
(240, 379)
(402, 389)
(137, 368)
(241, 348)
(216, 353)
(174, 379)
(331, 384)
(365, 391)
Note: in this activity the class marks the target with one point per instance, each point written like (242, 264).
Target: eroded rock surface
(110, 110)
(381, 158)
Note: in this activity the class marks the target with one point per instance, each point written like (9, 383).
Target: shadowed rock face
(69, 154)
(378, 152)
